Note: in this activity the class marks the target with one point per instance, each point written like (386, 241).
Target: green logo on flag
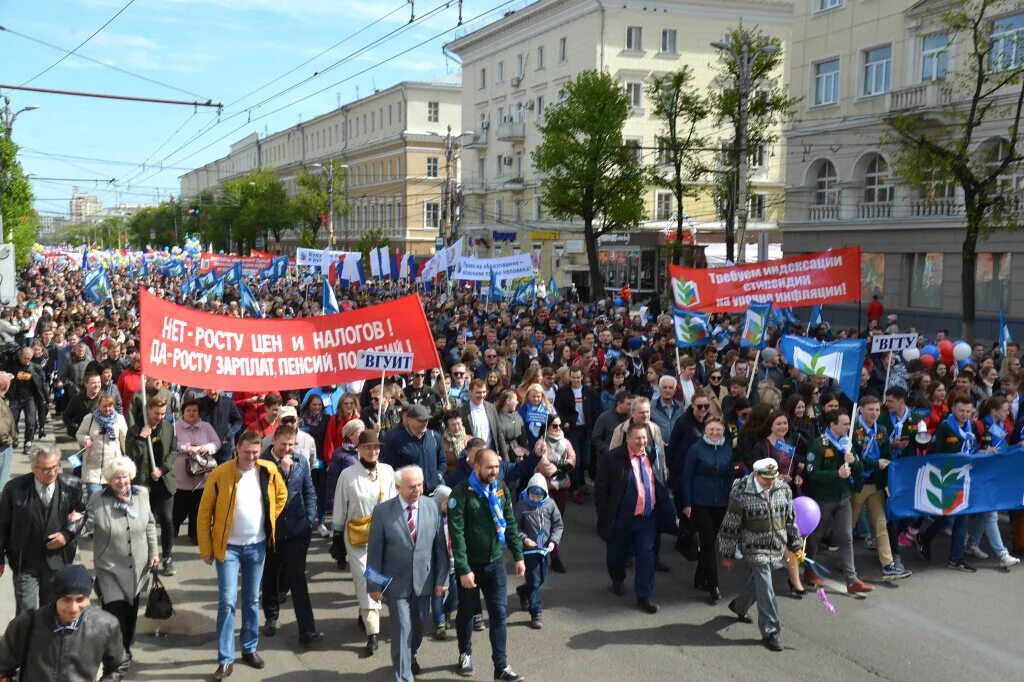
(686, 293)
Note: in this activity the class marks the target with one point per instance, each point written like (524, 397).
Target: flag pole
(679, 371)
(380, 404)
(750, 374)
(888, 369)
(145, 416)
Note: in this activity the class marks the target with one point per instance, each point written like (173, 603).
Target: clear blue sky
(221, 50)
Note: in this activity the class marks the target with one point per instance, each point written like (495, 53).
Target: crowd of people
(421, 483)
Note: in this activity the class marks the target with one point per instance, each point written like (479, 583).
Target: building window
(483, 78)
(520, 65)
(1010, 181)
(926, 280)
(877, 70)
(481, 209)
(756, 157)
(663, 156)
(517, 211)
(758, 207)
(934, 57)
(668, 41)
(483, 121)
(1007, 51)
(826, 189)
(501, 160)
(563, 49)
(992, 281)
(538, 207)
(399, 109)
(828, 4)
(432, 214)
(500, 76)
(634, 38)
(636, 94)
(826, 82)
(872, 274)
(520, 112)
(540, 57)
(539, 114)
(877, 189)
(501, 115)
(499, 209)
(636, 149)
(433, 112)
(432, 167)
(663, 205)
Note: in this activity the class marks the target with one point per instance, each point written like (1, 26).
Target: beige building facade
(393, 143)
(857, 65)
(515, 68)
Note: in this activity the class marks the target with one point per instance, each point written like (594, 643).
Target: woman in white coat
(361, 487)
(101, 435)
(124, 544)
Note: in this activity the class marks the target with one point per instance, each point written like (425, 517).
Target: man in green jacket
(831, 465)
(481, 523)
(152, 446)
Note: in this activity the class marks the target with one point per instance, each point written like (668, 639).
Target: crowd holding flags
(1004, 333)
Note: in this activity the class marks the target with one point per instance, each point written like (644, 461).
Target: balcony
(512, 132)
(475, 140)
(478, 186)
(515, 184)
(874, 210)
(931, 95)
(923, 208)
(824, 212)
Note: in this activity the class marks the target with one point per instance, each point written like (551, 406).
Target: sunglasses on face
(458, 374)
(554, 426)
(716, 378)
(700, 407)
(418, 376)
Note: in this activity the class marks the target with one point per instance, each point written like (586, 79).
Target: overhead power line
(102, 63)
(127, 98)
(75, 49)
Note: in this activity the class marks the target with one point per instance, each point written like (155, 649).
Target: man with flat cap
(760, 520)
(415, 444)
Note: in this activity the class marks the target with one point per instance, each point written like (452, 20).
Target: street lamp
(7, 118)
(744, 65)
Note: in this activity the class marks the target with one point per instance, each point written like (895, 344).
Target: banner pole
(679, 370)
(888, 369)
(145, 416)
(750, 374)
(380, 404)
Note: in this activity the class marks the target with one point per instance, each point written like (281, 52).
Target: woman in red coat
(348, 409)
(937, 399)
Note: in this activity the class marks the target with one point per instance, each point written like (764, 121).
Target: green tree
(754, 102)
(941, 148)
(152, 226)
(20, 220)
(680, 165)
(314, 198)
(252, 206)
(589, 172)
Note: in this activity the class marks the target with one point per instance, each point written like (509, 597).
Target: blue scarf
(490, 493)
(966, 435)
(997, 431)
(897, 425)
(525, 497)
(843, 444)
(869, 449)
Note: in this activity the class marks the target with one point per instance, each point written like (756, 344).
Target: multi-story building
(393, 143)
(857, 65)
(82, 206)
(514, 68)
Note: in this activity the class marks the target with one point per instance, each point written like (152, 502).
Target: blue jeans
(491, 580)
(440, 606)
(986, 523)
(6, 455)
(250, 559)
(959, 540)
(536, 574)
(633, 535)
(579, 438)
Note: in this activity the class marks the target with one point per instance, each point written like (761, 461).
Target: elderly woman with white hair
(361, 487)
(8, 432)
(124, 544)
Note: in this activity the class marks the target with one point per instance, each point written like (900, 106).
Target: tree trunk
(593, 265)
(969, 266)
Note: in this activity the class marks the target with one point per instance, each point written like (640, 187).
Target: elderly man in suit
(407, 545)
(481, 419)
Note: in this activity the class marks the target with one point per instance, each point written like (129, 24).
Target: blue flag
(277, 269)
(950, 485)
(249, 302)
(145, 267)
(754, 323)
(495, 293)
(215, 290)
(552, 290)
(1004, 333)
(96, 285)
(329, 300)
(816, 318)
(207, 279)
(85, 258)
(692, 329)
(233, 275)
(378, 579)
(840, 360)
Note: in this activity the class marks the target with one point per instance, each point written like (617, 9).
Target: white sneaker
(1006, 560)
(976, 552)
(322, 529)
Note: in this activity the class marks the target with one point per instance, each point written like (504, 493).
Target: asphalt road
(937, 625)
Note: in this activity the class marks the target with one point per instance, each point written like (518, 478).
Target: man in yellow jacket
(237, 518)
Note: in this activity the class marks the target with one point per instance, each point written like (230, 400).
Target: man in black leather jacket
(41, 515)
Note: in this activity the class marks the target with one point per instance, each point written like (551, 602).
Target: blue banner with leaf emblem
(949, 485)
(754, 323)
(692, 329)
(840, 360)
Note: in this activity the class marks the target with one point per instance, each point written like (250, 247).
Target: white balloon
(911, 354)
(962, 350)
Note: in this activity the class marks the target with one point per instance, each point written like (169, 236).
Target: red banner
(251, 265)
(813, 278)
(202, 350)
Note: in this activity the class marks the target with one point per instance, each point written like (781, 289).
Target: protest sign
(193, 348)
(314, 257)
(395, 363)
(251, 266)
(826, 277)
(892, 343)
(504, 268)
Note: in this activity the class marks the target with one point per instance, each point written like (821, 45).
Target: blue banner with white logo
(840, 360)
(949, 485)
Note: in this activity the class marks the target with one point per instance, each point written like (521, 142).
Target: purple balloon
(808, 515)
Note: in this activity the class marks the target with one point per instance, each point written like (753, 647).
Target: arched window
(877, 189)
(826, 189)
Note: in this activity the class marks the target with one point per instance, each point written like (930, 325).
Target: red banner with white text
(826, 277)
(202, 350)
(251, 265)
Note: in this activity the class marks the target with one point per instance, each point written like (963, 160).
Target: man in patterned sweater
(761, 521)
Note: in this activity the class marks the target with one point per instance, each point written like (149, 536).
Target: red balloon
(927, 361)
(946, 351)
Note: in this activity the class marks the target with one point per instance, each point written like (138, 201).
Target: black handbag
(158, 606)
(687, 540)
